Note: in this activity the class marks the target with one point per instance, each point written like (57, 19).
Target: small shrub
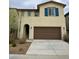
(14, 45)
(11, 41)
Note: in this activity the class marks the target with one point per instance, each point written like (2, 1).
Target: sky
(30, 4)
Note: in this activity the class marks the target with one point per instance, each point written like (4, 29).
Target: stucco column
(31, 32)
(63, 31)
(21, 31)
(19, 24)
(18, 35)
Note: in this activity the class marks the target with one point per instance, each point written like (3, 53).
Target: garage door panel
(47, 32)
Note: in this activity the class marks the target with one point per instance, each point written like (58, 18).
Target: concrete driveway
(45, 49)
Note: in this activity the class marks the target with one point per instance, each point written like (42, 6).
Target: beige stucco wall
(45, 21)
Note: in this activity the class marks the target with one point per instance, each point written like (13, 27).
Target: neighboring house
(67, 22)
(67, 25)
(45, 22)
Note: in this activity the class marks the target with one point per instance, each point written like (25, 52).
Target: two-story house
(45, 22)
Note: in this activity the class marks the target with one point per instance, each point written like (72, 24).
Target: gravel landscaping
(19, 48)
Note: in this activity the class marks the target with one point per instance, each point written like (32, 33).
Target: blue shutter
(46, 11)
(56, 11)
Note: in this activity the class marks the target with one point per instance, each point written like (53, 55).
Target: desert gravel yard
(20, 48)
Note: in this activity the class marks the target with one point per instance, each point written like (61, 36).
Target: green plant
(13, 25)
(14, 45)
(10, 41)
(12, 36)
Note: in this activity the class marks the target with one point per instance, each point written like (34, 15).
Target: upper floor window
(36, 13)
(51, 11)
(22, 13)
(29, 13)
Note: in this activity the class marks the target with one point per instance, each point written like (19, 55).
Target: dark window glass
(51, 11)
(22, 14)
(36, 13)
(46, 11)
(29, 13)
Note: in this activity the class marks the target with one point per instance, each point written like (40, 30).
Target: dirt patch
(20, 48)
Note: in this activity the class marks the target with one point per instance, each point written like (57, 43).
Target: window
(22, 13)
(46, 11)
(51, 11)
(36, 13)
(54, 11)
(29, 13)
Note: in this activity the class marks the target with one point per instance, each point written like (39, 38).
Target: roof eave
(50, 2)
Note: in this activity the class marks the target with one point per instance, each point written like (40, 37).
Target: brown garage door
(47, 33)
